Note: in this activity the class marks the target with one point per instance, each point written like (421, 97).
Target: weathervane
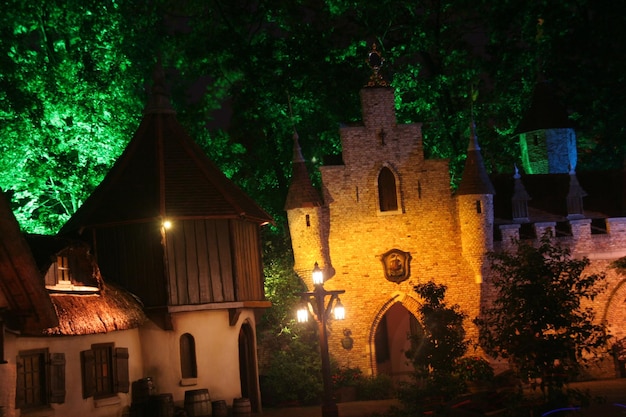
(375, 61)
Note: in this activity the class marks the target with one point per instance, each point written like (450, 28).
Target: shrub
(293, 376)
(379, 387)
(346, 377)
(473, 369)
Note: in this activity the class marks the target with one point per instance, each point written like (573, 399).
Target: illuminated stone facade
(387, 199)
(355, 229)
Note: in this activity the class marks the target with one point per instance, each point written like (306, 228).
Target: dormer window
(63, 271)
(71, 272)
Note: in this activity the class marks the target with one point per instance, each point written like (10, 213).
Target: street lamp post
(316, 299)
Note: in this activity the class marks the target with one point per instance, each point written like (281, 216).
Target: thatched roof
(109, 310)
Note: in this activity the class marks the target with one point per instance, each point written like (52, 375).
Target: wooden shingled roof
(163, 173)
(475, 179)
(24, 301)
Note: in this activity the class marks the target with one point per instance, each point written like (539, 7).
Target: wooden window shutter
(56, 375)
(19, 395)
(122, 383)
(89, 373)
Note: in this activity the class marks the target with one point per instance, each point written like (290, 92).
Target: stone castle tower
(387, 220)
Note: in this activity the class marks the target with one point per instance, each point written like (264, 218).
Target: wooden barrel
(142, 390)
(220, 409)
(160, 405)
(197, 403)
(241, 407)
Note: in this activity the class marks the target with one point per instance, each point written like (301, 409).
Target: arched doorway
(615, 318)
(392, 338)
(248, 367)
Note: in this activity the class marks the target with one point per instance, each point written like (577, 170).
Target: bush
(473, 369)
(346, 377)
(379, 387)
(293, 376)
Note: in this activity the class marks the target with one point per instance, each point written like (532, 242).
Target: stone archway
(390, 337)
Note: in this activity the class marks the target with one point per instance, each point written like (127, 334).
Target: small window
(105, 370)
(388, 200)
(63, 271)
(71, 271)
(479, 208)
(188, 367)
(40, 379)
(308, 221)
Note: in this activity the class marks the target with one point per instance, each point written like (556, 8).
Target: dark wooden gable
(164, 175)
(23, 297)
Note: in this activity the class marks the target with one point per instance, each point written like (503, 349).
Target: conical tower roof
(475, 179)
(163, 173)
(301, 192)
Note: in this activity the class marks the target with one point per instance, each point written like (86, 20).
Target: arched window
(388, 200)
(188, 367)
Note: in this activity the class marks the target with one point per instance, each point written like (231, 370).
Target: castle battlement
(593, 238)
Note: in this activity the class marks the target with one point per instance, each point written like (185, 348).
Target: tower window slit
(308, 221)
(479, 208)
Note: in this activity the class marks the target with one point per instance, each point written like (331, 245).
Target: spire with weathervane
(159, 98)
(375, 61)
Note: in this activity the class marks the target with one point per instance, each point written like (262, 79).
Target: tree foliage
(434, 354)
(74, 77)
(538, 320)
(443, 339)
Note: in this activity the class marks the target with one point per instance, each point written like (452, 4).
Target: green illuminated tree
(74, 75)
(67, 117)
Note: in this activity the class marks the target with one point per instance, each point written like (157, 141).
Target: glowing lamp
(339, 311)
(318, 275)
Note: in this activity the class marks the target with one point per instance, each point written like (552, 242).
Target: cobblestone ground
(612, 392)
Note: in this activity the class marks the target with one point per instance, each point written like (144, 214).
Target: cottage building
(387, 219)
(167, 225)
(147, 298)
(76, 329)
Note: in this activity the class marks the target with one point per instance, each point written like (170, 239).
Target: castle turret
(520, 199)
(304, 215)
(547, 139)
(475, 208)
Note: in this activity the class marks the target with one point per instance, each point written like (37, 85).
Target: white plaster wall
(217, 354)
(75, 404)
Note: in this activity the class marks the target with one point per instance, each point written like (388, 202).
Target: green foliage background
(74, 75)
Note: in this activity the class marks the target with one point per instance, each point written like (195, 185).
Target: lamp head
(303, 312)
(339, 311)
(318, 275)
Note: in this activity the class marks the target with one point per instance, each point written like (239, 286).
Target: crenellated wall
(602, 249)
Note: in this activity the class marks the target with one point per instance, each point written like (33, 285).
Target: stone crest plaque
(396, 265)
